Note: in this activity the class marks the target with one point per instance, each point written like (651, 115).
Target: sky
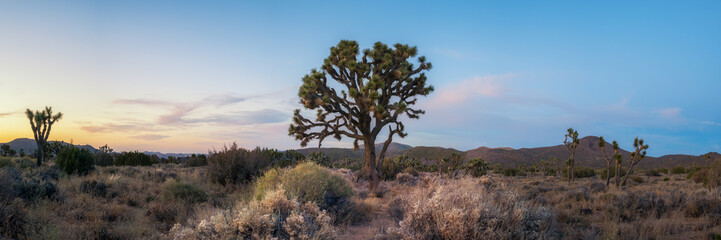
(191, 76)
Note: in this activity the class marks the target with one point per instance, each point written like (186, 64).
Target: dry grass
(168, 201)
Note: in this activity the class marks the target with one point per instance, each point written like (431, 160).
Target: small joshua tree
(602, 145)
(571, 141)
(41, 122)
(636, 156)
(476, 167)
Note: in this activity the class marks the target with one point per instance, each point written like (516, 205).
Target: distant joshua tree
(7, 151)
(41, 122)
(571, 141)
(602, 145)
(636, 156)
(368, 93)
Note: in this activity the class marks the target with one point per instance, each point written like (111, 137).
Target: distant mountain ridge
(588, 154)
(29, 146)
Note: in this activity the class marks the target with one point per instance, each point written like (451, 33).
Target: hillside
(29, 146)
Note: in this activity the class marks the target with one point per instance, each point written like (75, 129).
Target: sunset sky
(188, 76)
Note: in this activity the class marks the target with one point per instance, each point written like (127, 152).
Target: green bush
(613, 173)
(196, 161)
(234, 165)
(584, 172)
(666, 179)
(6, 162)
(75, 160)
(309, 182)
(477, 167)
(662, 170)
(185, 192)
(133, 159)
(678, 170)
(652, 173)
(637, 179)
(510, 172)
(320, 158)
(104, 159)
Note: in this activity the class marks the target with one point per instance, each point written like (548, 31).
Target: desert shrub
(12, 220)
(103, 158)
(320, 158)
(74, 160)
(666, 179)
(662, 170)
(234, 165)
(6, 162)
(185, 192)
(476, 167)
(405, 178)
(465, 211)
(510, 172)
(581, 172)
(396, 208)
(678, 170)
(347, 163)
(133, 159)
(652, 172)
(30, 189)
(309, 182)
(290, 158)
(276, 216)
(700, 176)
(25, 162)
(391, 167)
(613, 173)
(637, 179)
(597, 187)
(196, 161)
(411, 171)
(94, 188)
(579, 194)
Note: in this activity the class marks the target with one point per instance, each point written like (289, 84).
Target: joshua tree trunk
(608, 173)
(618, 173)
(370, 166)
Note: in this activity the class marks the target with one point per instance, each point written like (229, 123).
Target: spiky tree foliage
(476, 167)
(602, 145)
(41, 122)
(7, 151)
(637, 155)
(376, 88)
(571, 141)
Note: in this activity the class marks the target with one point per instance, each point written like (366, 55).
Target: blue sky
(188, 76)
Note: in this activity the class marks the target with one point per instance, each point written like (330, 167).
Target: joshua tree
(476, 167)
(376, 90)
(41, 122)
(602, 145)
(7, 151)
(636, 156)
(571, 144)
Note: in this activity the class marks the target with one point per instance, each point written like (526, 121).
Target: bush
(613, 173)
(104, 158)
(133, 159)
(276, 216)
(185, 192)
(458, 209)
(652, 173)
(477, 167)
(637, 179)
(6, 162)
(234, 165)
(662, 170)
(678, 170)
(73, 160)
(699, 176)
(196, 161)
(94, 188)
(309, 182)
(320, 158)
(584, 172)
(666, 179)
(510, 172)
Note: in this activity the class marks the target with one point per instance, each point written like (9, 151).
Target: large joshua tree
(376, 88)
(571, 141)
(637, 155)
(41, 122)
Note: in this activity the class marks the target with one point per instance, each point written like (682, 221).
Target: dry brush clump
(275, 216)
(466, 209)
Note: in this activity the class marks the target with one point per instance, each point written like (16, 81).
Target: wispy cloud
(488, 86)
(125, 127)
(150, 137)
(672, 112)
(5, 114)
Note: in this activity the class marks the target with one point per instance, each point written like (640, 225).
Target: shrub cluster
(465, 211)
(133, 159)
(275, 216)
(74, 160)
(196, 161)
(185, 192)
(235, 165)
(309, 182)
(678, 170)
